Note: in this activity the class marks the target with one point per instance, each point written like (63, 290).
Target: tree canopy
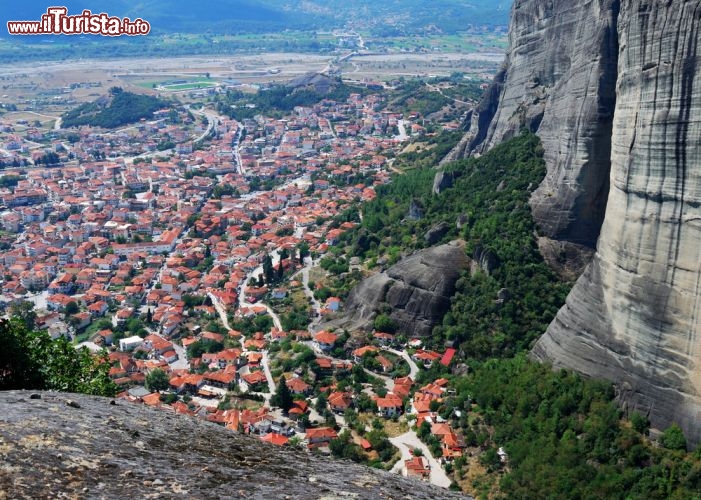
(282, 397)
(122, 108)
(30, 359)
(157, 380)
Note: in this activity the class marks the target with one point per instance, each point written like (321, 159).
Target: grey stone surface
(634, 316)
(416, 210)
(442, 181)
(484, 260)
(436, 232)
(94, 449)
(418, 290)
(559, 80)
(611, 88)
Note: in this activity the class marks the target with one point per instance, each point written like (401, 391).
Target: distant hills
(239, 16)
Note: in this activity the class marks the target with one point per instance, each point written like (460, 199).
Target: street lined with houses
(174, 244)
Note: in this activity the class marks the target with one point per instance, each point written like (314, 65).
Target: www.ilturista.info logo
(56, 21)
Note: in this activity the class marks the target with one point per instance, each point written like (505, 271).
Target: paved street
(409, 441)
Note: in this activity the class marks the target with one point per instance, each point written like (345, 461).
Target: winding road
(407, 443)
(221, 310)
(413, 368)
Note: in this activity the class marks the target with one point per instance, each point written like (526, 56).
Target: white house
(130, 343)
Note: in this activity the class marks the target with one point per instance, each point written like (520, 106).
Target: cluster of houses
(176, 239)
(112, 234)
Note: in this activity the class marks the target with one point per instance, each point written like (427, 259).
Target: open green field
(168, 85)
(188, 86)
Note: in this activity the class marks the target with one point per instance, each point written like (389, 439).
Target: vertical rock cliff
(611, 88)
(635, 315)
(559, 81)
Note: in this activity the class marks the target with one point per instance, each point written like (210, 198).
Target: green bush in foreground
(32, 360)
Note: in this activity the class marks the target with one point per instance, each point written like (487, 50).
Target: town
(202, 253)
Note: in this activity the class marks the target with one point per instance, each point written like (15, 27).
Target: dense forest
(502, 309)
(121, 108)
(563, 437)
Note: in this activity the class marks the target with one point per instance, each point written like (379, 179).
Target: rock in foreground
(76, 446)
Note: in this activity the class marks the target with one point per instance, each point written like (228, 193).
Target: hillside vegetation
(487, 207)
(563, 436)
(278, 100)
(117, 109)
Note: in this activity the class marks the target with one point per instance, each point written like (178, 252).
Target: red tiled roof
(274, 438)
(321, 433)
(448, 356)
(325, 337)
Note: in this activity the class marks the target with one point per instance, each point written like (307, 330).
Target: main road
(212, 122)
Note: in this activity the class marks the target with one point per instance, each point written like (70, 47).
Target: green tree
(640, 423)
(24, 310)
(157, 380)
(384, 323)
(673, 438)
(268, 270)
(280, 271)
(196, 349)
(343, 447)
(72, 308)
(303, 249)
(282, 397)
(32, 360)
(320, 405)
(365, 404)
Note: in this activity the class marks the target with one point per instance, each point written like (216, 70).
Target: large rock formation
(417, 289)
(611, 87)
(559, 81)
(635, 315)
(75, 446)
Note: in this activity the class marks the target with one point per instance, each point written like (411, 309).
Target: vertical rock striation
(611, 87)
(559, 81)
(635, 315)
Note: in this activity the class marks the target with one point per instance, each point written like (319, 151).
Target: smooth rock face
(93, 449)
(634, 316)
(418, 289)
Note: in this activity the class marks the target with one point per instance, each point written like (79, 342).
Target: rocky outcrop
(74, 446)
(316, 82)
(442, 181)
(416, 291)
(611, 88)
(478, 121)
(559, 81)
(416, 210)
(634, 317)
(436, 233)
